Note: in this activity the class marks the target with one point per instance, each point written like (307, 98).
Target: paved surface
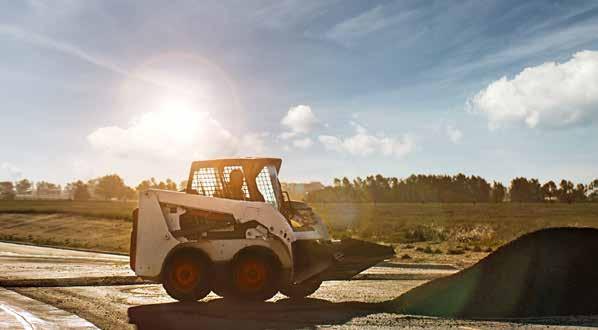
(33, 262)
(337, 304)
(20, 312)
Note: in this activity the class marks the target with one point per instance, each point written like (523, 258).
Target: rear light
(133, 246)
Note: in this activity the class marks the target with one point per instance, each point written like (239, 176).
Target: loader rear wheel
(187, 277)
(255, 277)
(303, 289)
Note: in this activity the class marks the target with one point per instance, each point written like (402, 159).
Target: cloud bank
(554, 95)
(364, 144)
(174, 135)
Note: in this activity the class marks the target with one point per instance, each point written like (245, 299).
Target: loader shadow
(224, 314)
(305, 314)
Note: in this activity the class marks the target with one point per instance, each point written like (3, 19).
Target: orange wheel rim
(185, 274)
(251, 275)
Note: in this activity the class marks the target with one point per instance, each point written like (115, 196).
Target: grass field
(445, 232)
(456, 233)
(103, 209)
(481, 223)
(66, 230)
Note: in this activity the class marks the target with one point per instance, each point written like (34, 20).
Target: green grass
(467, 223)
(103, 209)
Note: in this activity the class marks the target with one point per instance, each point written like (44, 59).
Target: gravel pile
(545, 273)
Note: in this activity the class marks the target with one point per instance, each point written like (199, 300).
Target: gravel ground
(337, 304)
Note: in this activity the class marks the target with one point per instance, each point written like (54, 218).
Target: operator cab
(212, 178)
(260, 183)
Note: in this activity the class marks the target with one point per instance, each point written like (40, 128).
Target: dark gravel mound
(545, 273)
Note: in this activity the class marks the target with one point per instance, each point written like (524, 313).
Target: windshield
(268, 186)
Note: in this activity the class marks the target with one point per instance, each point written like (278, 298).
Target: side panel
(243, 211)
(154, 240)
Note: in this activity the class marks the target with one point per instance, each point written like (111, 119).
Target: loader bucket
(354, 256)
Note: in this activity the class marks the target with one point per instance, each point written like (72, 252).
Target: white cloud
(299, 119)
(364, 144)
(548, 95)
(10, 172)
(302, 143)
(454, 134)
(176, 135)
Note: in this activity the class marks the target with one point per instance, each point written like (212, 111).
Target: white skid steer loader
(233, 232)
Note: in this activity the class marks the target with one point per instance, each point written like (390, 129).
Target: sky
(335, 88)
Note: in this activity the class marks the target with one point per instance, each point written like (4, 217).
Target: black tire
(187, 276)
(303, 289)
(254, 277)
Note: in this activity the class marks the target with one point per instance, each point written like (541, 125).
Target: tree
(23, 187)
(480, 189)
(549, 190)
(524, 190)
(593, 191)
(111, 186)
(565, 192)
(445, 188)
(498, 192)
(144, 185)
(130, 194)
(7, 191)
(92, 187)
(336, 182)
(169, 185)
(44, 188)
(183, 185)
(579, 193)
(152, 183)
(80, 191)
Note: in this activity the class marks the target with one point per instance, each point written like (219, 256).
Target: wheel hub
(252, 275)
(186, 275)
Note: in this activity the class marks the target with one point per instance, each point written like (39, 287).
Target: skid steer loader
(233, 231)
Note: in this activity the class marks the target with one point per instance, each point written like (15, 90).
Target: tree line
(108, 187)
(374, 188)
(447, 189)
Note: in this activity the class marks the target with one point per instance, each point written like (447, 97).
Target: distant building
(298, 191)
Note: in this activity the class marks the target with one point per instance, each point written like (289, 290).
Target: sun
(179, 116)
(176, 104)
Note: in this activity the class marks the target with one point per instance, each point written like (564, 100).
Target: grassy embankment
(456, 233)
(102, 209)
(95, 225)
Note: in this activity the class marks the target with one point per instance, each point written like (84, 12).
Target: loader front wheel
(255, 277)
(303, 289)
(187, 277)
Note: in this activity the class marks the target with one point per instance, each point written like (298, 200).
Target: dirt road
(343, 304)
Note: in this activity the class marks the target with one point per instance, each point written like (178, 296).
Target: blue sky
(493, 88)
